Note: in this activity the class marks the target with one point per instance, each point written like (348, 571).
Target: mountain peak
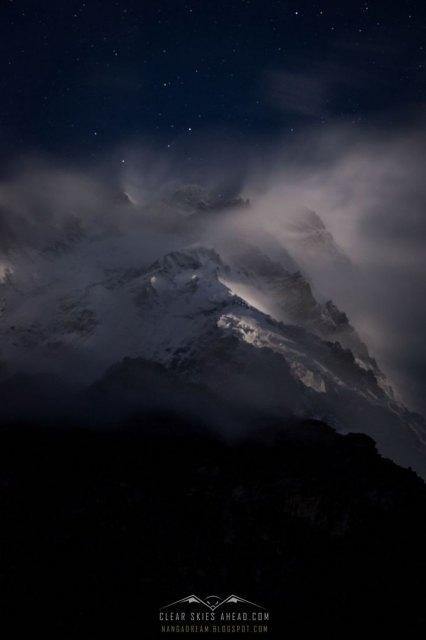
(193, 198)
(310, 242)
(234, 315)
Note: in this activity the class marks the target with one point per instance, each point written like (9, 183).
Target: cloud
(353, 77)
(367, 185)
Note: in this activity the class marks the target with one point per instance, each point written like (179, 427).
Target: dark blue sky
(79, 77)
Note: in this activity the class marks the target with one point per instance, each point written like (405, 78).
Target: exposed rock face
(195, 199)
(310, 240)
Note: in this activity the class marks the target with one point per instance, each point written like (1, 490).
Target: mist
(367, 187)
(369, 190)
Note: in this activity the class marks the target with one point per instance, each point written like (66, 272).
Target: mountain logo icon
(212, 602)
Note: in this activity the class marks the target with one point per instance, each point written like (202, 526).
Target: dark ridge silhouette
(99, 529)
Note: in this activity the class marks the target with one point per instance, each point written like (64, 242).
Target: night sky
(78, 77)
(319, 103)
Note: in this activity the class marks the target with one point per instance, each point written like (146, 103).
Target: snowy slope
(241, 322)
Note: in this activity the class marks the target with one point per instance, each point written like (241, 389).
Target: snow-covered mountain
(234, 314)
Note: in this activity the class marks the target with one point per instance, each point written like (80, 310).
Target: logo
(212, 602)
(213, 614)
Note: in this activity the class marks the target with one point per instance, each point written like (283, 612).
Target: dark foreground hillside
(99, 530)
